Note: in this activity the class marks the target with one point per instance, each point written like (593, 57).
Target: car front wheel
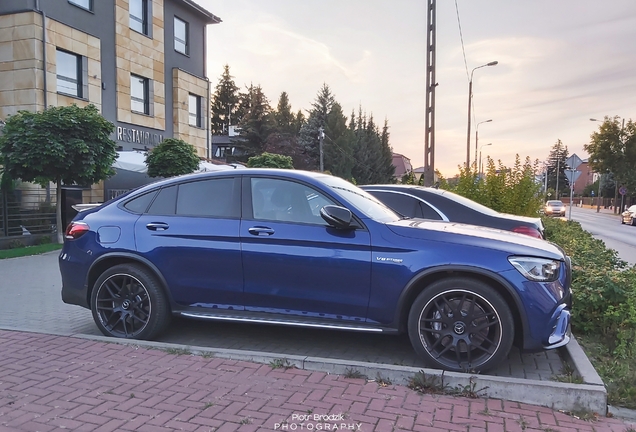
(128, 302)
(461, 324)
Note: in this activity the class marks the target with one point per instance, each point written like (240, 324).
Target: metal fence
(30, 210)
(114, 193)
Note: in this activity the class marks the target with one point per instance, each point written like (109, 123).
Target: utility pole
(321, 138)
(429, 123)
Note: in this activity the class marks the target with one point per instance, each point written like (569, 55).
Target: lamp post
(470, 97)
(477, 136)
(480, 161)
(600, 177)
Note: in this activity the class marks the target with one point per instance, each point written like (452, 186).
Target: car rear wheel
(461, 324)
(128, 302)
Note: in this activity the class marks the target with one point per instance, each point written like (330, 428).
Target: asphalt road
(607, 226)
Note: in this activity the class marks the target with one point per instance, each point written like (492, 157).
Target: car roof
(287, 173)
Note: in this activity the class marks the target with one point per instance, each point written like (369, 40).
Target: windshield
(361, 200)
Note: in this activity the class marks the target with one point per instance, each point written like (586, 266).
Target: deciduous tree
(172, 157)
(64, 145)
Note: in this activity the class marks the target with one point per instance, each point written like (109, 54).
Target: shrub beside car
(604, 307)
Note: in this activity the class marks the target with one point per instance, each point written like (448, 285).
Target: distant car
(629, 216)
(554, 208)
(306, 249)
(438, 204)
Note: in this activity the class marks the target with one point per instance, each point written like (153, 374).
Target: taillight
(532, 232)
(75, 230)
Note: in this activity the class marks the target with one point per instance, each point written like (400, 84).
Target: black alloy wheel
(461, 324)
(127, 302)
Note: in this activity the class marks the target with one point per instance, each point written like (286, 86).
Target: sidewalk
(56, 382)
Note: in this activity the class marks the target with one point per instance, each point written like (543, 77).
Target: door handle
(157, 226)
(261, 231)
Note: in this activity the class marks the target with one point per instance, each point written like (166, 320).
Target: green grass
(617, 372)
(29, 250)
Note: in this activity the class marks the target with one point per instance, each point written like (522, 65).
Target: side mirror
(337, 217)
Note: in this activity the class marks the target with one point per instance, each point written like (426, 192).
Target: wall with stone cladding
(141, 55)
(184, 84)
(22, 59)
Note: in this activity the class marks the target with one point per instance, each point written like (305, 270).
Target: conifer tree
(224, 104)
(308, 136)
(283, 117)
(556, 168)
(256, 120)
(338, 144)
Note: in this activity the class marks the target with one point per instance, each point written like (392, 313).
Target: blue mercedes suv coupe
(307, 249)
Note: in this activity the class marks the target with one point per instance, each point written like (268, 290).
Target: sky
(560, 63)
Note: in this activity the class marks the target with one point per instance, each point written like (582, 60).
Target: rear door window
(209, 198)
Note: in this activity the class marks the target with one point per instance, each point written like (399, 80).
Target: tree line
(612, 154)
(355, 147)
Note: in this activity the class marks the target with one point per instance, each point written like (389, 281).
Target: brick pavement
(54, 382)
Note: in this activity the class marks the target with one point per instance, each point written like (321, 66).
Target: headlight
(537, 269)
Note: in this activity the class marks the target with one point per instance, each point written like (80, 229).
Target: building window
(139, 16)
(69, 73)
(139, 94)
(180, 36)
(85, 4)
(194, 108)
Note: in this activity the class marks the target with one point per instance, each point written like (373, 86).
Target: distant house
(586, 178)
(402, 166)
(226, 147)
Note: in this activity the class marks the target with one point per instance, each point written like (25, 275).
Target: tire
(128, 302)
(633, 221)
(462, 325)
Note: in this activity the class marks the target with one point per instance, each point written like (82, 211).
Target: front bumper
(561, 331)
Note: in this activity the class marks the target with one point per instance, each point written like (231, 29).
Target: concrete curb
(552, 394)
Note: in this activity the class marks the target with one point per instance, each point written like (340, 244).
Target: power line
(461, 38)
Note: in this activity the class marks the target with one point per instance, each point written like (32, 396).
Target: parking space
(31, 289)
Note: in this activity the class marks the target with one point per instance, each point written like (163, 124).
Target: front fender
(427, 276)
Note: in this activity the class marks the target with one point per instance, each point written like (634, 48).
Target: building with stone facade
(141, 62)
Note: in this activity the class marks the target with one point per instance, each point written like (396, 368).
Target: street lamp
(600, 177)
(477, 136)
(480, 161)
(470, 97)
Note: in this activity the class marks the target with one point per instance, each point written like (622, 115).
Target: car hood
(479, 236)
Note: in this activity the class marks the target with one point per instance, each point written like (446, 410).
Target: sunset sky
(560, 64)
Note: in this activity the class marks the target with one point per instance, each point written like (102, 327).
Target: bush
(172, 157)
(507, 190)
(604, 287)
(270, 160)
(16, 244)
